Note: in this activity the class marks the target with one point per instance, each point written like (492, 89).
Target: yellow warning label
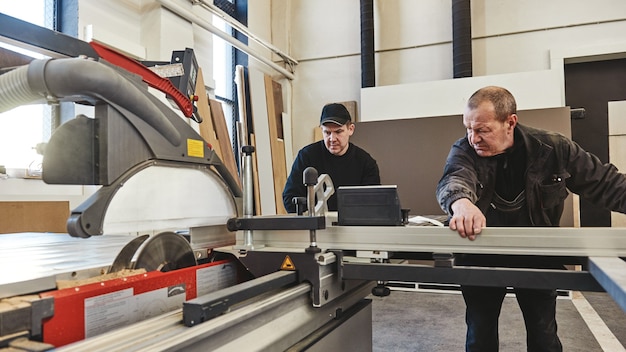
(195, 148)
(287, 264)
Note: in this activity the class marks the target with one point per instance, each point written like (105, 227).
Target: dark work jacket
(554, 165)
(355, 168)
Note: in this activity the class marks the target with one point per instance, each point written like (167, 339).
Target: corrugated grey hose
(14, 89)
(50, 79)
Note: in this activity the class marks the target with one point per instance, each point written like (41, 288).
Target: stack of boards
(266, 130)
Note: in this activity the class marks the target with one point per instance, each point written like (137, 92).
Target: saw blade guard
(161, 196)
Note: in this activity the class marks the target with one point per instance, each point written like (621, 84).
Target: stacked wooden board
(264, 130)
(213, 127)
(267, 136)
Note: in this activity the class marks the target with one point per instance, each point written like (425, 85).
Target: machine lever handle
(185, 104)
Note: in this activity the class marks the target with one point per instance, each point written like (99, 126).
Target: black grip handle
(309, 176)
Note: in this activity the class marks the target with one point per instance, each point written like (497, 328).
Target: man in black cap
(344, 162)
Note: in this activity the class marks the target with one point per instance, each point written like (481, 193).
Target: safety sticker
(195, 148)
(287, 264)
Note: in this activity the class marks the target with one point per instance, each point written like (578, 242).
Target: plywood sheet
(45, 216)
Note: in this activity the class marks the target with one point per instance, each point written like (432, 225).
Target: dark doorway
(591, 85)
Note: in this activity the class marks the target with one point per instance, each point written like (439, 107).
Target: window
(225, 58)
(222, 73)
(23, 128)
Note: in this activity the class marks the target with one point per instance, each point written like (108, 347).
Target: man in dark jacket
(506, 174)
(344, 162)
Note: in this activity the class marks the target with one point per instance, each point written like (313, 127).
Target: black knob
(309, 176)
(247, 149)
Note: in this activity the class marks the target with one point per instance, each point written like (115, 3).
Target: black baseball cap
(335, 113)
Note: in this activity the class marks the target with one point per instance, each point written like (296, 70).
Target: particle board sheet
(263, 149)
(274, 97)
(221, 130)
(35, 216)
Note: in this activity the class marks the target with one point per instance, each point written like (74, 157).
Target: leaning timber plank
(258, 102)
(221, 130)
(273, 92)
(207, 131)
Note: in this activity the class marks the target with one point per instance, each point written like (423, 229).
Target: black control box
(368, 205)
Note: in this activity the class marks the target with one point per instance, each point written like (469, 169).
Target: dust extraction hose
(75, 79)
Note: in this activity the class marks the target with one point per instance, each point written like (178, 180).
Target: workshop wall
(145, 30)
(413, 42)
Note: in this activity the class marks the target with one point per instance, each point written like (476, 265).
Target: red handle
(152, 79)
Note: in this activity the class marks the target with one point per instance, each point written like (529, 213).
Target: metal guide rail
(278, 322)
(513, 257)
(541, 241)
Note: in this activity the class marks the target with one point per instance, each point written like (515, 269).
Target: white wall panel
(532, 90)
(325, 28)
(495, 17)
(164, 32)
(120, 19)
(343, 83)
(259, 23)
(531, 51)
(409, 23)
(413, 40)
(430, 63)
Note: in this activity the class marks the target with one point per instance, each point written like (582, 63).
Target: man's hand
(467, 219)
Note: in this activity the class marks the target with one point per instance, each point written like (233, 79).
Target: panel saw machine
(163, 205)
(166, 254)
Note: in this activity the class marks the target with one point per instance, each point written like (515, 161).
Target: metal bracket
(213, 304)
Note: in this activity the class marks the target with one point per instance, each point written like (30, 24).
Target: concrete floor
(434, 321)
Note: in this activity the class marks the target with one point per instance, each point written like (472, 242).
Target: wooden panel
(287, 141)
(258, 102)
(273, 92)
(317, 134)
(221, 130)
(411, 153)
(207, 131)
(351, 107)
(49, 216)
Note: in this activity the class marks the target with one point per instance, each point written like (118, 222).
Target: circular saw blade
(125, 256)
(165, 252)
